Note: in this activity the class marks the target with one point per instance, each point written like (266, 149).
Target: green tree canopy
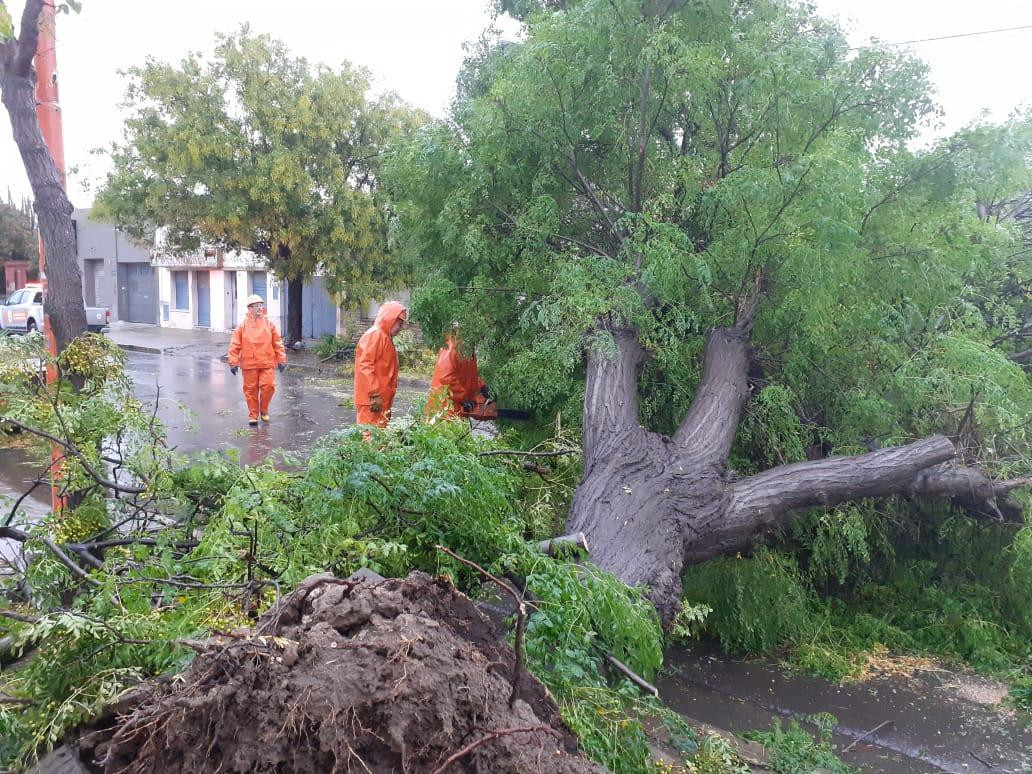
(258, 149)
(638, 167)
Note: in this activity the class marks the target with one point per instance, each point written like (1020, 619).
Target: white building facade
(208, 289)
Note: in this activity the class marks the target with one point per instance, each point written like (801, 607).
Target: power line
(951, 37)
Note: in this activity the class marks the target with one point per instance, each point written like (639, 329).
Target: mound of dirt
(350, 675)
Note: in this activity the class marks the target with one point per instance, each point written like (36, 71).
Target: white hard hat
(254, 298)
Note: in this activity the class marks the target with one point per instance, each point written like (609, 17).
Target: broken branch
(74, 450)
(518, 453)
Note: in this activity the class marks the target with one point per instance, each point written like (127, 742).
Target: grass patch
(793, 750)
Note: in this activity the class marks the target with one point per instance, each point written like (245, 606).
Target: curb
(141, 348)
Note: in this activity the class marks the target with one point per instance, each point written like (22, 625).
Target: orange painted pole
(48, 113)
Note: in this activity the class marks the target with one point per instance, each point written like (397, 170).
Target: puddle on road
(201, 405)
(18, 470)
(935, 724)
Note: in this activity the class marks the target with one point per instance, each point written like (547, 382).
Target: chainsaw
(485, 410)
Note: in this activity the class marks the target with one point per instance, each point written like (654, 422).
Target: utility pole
(48, 113)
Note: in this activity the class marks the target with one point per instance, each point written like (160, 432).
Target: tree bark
(64, 302)
(295, 289)
(611, 394)
(648, 504)
(712, 421)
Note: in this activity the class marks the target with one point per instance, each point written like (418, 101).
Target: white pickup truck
(23, 312)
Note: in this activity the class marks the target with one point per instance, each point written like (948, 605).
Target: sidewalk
(137, 337)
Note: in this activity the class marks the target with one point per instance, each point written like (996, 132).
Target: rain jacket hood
(388, 314)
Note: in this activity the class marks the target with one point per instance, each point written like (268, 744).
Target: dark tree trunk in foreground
(649, 504)
(64, 303)
(295, 288)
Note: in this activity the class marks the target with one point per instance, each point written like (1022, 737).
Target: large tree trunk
(295, 289)
(64, 303)
(648, 504)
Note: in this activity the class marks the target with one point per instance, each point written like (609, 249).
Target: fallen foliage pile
(351, 675)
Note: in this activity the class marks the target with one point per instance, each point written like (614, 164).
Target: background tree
(64, 303)
(701, 228)
(257, 149)
(18, 238)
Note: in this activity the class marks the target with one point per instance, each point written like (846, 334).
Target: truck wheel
(30, 326)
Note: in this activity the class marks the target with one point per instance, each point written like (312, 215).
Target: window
(16, 297)
(181, 290)
(259, 286)
(38, 299)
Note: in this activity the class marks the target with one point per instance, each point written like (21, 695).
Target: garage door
(318, 310)
(137, 293)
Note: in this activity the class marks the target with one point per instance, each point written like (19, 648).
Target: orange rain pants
(259, 387)
(257, 348)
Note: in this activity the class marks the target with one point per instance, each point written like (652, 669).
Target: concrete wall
(16, 275)
(403, 297)
(105, 247)
(169, 316)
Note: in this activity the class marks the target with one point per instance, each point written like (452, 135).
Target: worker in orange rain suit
(257, 348)
(455, 376)
(376, 366)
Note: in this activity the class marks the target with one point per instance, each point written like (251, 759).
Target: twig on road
(859, 739)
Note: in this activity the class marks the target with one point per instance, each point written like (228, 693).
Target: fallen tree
(699, 229)
(161, 555)
(649, 503)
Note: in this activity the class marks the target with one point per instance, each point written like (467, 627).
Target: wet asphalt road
(202, 407)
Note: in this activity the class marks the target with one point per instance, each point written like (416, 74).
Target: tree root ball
(390, 676)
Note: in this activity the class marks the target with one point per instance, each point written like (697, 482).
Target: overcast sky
(415, 47)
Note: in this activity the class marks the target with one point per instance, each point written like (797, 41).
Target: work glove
(375, 404)
(467, 406)
(281, 367)
(233, 370)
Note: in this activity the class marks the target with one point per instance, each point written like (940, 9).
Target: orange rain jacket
(456, 375)
(256, 344)
(376, 360)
